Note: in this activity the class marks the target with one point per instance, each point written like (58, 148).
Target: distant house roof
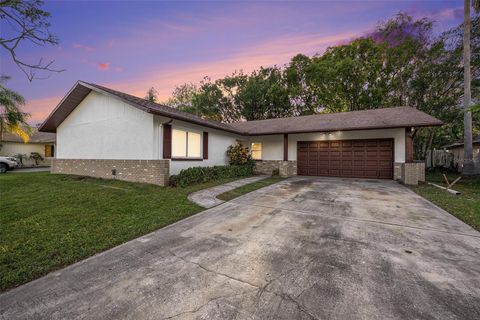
(36, 137)
(459, 144)
(398, 117)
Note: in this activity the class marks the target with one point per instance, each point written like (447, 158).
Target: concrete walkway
(207, 198)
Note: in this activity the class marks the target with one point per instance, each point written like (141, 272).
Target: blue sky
(133, 45)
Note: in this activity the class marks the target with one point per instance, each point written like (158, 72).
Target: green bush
(196, 175)
(238, 154)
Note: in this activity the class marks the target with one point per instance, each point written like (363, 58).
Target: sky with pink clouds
(133, 45)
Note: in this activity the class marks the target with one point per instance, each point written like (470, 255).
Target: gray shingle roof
(398, 117)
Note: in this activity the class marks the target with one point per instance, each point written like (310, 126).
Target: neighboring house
(105, 133)
(42, 143)
(456, 150)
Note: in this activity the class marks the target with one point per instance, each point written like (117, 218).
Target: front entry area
(370, 158)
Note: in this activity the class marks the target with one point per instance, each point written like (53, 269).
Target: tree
(468, 163)
(303, 95)
(152, 95)
(264, 95)
(26, 22)
(12, 118)
(182, 96)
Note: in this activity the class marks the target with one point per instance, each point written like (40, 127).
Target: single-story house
(456, 150)
(106, 133)
(42, 143)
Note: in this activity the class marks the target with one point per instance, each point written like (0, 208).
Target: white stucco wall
(273, 144)
(103, 127)
(218, 142)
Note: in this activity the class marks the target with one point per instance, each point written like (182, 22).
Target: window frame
(186, 157)
(261, 150)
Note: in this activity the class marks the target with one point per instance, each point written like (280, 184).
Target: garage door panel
(347, 158)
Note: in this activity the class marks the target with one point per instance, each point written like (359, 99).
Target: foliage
(20, 157)
(36, 157)
(238, 154)
(152, 95)
(195, 175)
(49, 221)
(264, 95)
(465, 206)
(27, 23)
(12, 118)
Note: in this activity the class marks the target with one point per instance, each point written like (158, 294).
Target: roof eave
(179, 117)
(346, 129)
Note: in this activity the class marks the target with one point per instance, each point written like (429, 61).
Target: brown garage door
(346, 158)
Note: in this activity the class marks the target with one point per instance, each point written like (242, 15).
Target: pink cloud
(103, 66)
(275, 52)
(82, 47)
(110, 44)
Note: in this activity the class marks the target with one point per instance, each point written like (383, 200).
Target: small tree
(12, 118)
(239, 155)
(152, 95)
(36, 157)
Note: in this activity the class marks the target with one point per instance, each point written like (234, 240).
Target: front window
(185, 144)
(256, 148)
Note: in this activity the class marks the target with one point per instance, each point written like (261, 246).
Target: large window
(256, 148)
(185, 144)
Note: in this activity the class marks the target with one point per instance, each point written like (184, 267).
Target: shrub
(36, 157)
(238, 154)
(275, 172)
(196, 175)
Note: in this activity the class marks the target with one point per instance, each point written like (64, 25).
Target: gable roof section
(82, 89)
(398, 117)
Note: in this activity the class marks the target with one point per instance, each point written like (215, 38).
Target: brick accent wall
(285, 168)
(146, 171)
(410, 173)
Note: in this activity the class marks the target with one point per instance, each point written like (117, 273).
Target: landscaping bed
(465, 206)
(50, 221)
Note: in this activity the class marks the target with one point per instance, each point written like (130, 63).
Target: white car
(8, 163)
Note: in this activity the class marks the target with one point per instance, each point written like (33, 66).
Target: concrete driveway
(306, 248)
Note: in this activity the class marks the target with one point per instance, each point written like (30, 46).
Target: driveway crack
(261, 289)
(216, 272)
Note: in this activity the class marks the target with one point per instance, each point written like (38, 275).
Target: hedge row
(195, 175)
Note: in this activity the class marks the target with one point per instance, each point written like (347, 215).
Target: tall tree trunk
(468, 164)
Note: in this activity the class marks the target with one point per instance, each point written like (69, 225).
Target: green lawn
(465, 206)
(229, 195)
(50, 221)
